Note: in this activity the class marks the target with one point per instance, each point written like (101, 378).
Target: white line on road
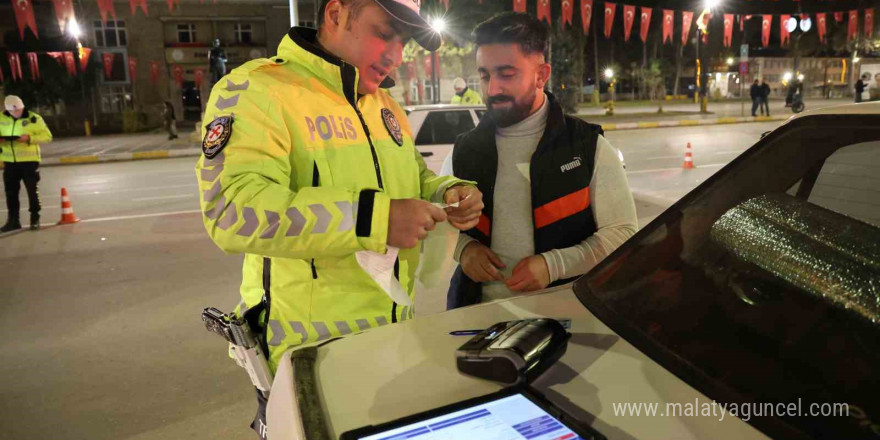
(130, 217)
(656, 170)
(181, 196)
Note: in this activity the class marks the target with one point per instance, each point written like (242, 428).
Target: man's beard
(519, 110)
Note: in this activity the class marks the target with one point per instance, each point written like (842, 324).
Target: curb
(121, 157)
(689, 122)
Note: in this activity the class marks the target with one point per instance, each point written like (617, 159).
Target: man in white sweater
(563, 201)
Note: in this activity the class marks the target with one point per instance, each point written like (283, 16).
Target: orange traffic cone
(67, 215)
(688, 158)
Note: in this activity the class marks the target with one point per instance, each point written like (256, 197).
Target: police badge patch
(392, 126)
(216, 135)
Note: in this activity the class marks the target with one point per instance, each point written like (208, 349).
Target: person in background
(755, 92)
(464, 94)
(860, 87)
(22, 132)
(170, 120)
(765, 98)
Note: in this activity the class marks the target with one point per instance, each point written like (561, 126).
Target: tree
(567, 48)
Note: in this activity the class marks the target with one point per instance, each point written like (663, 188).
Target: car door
(438, 132)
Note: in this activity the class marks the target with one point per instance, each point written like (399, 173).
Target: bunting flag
(34, 65)
(544, 10)
(58, 56)
(853, 25)
(519, 5)
(728, 30)
(15, 66)
(132, 69)
(629, 16)
(869, 22)
(199, 74)
(24, 15)
(106, 7)
(838, 17)
(567, 12)
(70, 63)
(63, 13)
(84, 54)
(784, 34)
(668, 24)
(687, 17)
(135, 3)
(171, 4)
(766, 22)
(609, 17)
(821, 26)
(154, 72)
(177, 71)
(586, 14)
(107, 59)
(645, 24)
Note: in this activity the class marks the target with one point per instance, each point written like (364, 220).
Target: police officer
(465, 94)
(22, 133)
(310, 170)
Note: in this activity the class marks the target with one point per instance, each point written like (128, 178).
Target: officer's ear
(333, 14)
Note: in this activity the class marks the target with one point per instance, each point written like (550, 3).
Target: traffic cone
(688, 158)
(67, 215)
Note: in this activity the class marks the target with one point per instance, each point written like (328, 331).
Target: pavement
(155, 145)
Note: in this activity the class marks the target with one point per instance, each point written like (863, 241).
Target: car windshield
(761, 285)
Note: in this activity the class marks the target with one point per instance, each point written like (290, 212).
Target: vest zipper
(12, 142)
(348, 74)
(314, 270)
(267, 300)
(397, 277)
(372, 148)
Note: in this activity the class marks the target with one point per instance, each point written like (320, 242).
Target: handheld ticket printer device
(513, 352)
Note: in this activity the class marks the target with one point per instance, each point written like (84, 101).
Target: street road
(102, 336)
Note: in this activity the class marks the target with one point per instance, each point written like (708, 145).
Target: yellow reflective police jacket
(298, 173)
(470, 96)
(30, 124)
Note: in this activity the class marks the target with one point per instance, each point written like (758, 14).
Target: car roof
(865, 108)
(443, 107)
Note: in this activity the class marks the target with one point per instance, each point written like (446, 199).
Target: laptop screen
(509, 418)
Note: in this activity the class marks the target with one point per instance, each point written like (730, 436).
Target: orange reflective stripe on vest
(562, 207)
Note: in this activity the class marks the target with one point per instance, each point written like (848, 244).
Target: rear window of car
(442, 127)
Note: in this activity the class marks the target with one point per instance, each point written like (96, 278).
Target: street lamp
(711, 4)
(438, 25)
(609, 76)
(729, 61)
(76, 32)
(787, 77)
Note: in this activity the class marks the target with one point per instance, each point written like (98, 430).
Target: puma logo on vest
(571, 165)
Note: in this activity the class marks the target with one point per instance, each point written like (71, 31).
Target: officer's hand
(24, 138)
(480, 264)
(530, 274)
(409, 221)
(470, 206)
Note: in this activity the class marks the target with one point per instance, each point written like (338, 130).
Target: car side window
(442, 127)
(848, 183)
(480, 114)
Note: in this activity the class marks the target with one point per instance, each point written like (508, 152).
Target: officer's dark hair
(531, 34)
(354, 7)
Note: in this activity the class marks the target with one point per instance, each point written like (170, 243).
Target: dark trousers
(765, 105)
(756, 102)
(13, 175)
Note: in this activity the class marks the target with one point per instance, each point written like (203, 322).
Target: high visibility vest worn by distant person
(470, 97)
(30, 124)
(298, 172)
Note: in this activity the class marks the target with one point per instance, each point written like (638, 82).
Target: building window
(110, 34)
(429, 90)
(307, 23)
(243, 33)
(115, 99)
(186, 33)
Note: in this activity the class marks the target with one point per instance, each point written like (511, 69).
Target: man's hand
(470, 206)
(480, 264)
(409, 221)
(24, 138)
(530, 274)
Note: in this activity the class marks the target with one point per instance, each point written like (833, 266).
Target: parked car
(759, 287)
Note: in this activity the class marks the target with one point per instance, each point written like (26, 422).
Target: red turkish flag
(135, 3)
(687, 19)
(567, 12)
(668, 23)
(869, 22)
(838, 16)
(784, 35)
(766, 22)
(199, 74)
(544, 10)
(177, 72)
(519, 5)
(24, 15)
(58, 56)
(728, 30)
(34, 65)
(106, 7)
(645, 23)
(84, 55)
(629, 16)
(107, 59)
(154, 72)
(586, 14)
(15, 66)
(609, 17)
(132, 69)
(63, 12)
(853, 25)
(821, 26)
(70, 63)
(171, 4)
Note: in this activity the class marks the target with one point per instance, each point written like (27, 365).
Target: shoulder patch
(217, 134)
(392, 126)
